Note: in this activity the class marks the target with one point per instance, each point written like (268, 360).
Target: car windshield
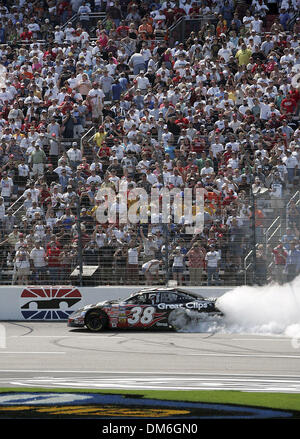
(137, 298)
(189, 294)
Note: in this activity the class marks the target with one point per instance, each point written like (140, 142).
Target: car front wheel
(96, 321)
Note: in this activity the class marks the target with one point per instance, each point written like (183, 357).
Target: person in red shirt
(84, 167)
(288, 105)
(122, 30)
(104, 151)
(280, 255)
(178, 12)
(230, 198)
(196, 257)
(182, 121)
(169, 14)
(227, 154)
(45, 196)
(26, 35)
(66, 105)
(194, 10)
(53, 260)
(198, 144)
(295, 94)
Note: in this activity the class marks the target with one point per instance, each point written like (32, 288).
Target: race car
(148, 308)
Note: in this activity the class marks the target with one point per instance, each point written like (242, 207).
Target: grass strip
(284, 401)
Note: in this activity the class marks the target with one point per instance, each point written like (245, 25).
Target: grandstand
(139, 98)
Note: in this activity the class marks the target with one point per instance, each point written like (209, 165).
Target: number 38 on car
(148, 308)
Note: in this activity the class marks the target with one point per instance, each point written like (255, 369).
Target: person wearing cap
(178, 264)
(6, 184)
(75, 156)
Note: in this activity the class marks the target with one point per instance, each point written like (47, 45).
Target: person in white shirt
(256, 24)
(39, 262)
(176, 179)
(233, 161)
(31, 211)
(96, 97)
(247, 19)
(291, 164)
(151, 270)
(68, 32)
(225, 52)
(216, 148)
(23, 173)
(75, 155)
(94, 178)
(207, 169)
(6, 185)
(142, 82)
(59, 169)
(151, 178)
(178, 264)
(265, 109)
(132, 263)
(212, 265)
(59, 35)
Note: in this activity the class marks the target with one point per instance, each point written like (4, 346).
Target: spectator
(178, 265)
(196, 258)
(292, 266)
(212, 259)
(151, 271)
(53, 260)
(21, 265)
(280, 256)
(132, 266)
(38, 261)
(217, 111)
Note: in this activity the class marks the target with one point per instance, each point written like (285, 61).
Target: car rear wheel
(96, 321)
(178, 319)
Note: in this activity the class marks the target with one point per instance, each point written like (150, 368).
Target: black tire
(178, 319)
(96, 320)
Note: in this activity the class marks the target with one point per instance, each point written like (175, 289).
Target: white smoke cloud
(268, 310)
(273, 309)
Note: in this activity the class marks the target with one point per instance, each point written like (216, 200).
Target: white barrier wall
(58, 302)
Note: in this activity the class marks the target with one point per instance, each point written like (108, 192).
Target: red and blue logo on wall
(49, 302)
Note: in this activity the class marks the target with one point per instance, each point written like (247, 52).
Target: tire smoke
(267, 310)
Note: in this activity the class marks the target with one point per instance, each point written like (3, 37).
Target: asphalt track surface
(48, 355)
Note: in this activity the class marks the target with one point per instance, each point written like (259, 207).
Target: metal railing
(94, 17)
(248, 265)
(182, 28)
(16, 207)
(86, 138)
(272, 231)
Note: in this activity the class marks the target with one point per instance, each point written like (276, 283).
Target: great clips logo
(48, 303)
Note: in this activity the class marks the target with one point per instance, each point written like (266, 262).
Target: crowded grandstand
(103, 97)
